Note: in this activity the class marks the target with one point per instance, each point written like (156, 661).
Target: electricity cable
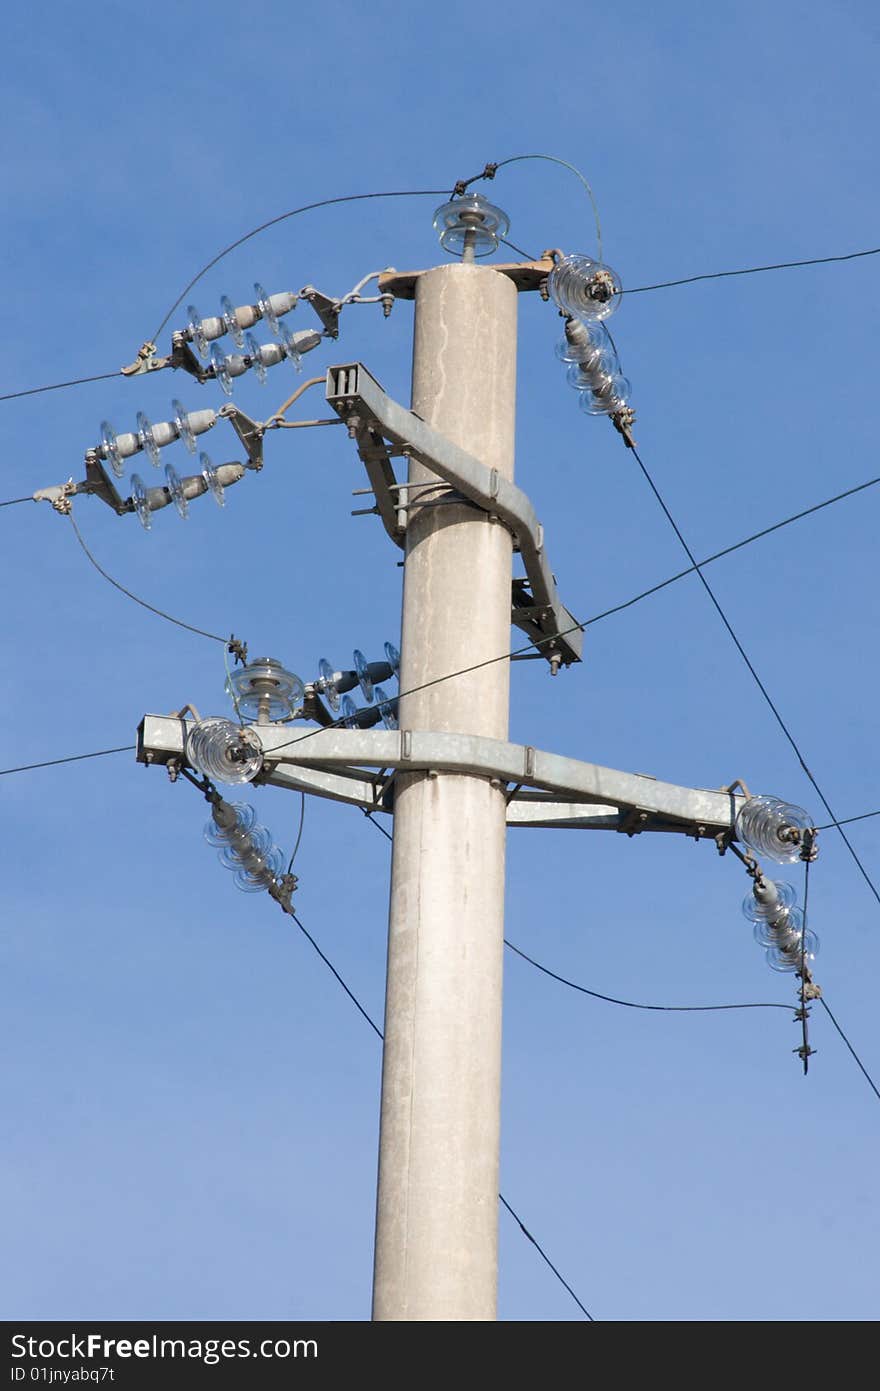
(420, 193)
(759, 683)
(201, 632)
(58, 386)
(596, 995)
(870, 1081)
(378, 1032)
(72, 758)
(282, 217)
(752, 270)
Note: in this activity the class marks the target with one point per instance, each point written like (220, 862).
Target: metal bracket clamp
(249, 432)
(59, 495)
(327, 309)
(548, 789)
(96, 483)
(181, 356)
(526, 275)
(358, 400)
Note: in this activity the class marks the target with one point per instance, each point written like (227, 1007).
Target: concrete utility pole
(437, 1208)
(448, 774)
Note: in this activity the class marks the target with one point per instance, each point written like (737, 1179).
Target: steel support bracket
(373, 417)
(526, 275)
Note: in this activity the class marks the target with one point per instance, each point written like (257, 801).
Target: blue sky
(190, 1101)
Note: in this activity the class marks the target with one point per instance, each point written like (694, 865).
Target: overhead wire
(752, 270)
(379, 1034)
(13, 501)
(848, 820)
(282, 217)
(864, 1071)
(491, 170)
(680, 1009)
(58, 386)
(596, 995)
(577, 627)
(419, 193)
(759, 683)
(71, 758)
(302, 820)
(160, 613)
(631, 1004)
(543, 1254)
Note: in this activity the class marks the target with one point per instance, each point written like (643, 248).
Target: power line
(677, 1009)
(378, 1032)
(848, 820)
(630, 1004)
(578, 627)
(554, 159)
(759, 683)
(160, 613)
(302, 822)
(282, 217)
(424, 193)
(823, 1002)
(596, 995)
(543, 1254)
(329, 964)
(72, 758)
(753, 270)
(58, 386)
(14, 500)
(729, 550)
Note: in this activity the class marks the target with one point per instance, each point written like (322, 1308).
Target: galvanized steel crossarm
(336, 763)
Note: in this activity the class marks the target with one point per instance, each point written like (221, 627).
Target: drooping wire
(379, 1034)
(596, 995)
(630, 1004)
(550, 159)
(58, 386)
(201, 632)
(282, 217)
(758, 682)
(71, 758)
(302, 820)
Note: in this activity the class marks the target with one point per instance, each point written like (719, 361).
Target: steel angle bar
(333, 762)
(517, 764)
(162, 740)
(359, 400)
(357, 790)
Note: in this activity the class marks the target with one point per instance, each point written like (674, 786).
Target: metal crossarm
(547, 789)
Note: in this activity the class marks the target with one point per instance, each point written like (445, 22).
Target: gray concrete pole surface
(437, 1210)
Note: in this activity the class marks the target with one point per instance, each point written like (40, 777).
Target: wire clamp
(283, 890)
(59, 495)
(237, 649)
